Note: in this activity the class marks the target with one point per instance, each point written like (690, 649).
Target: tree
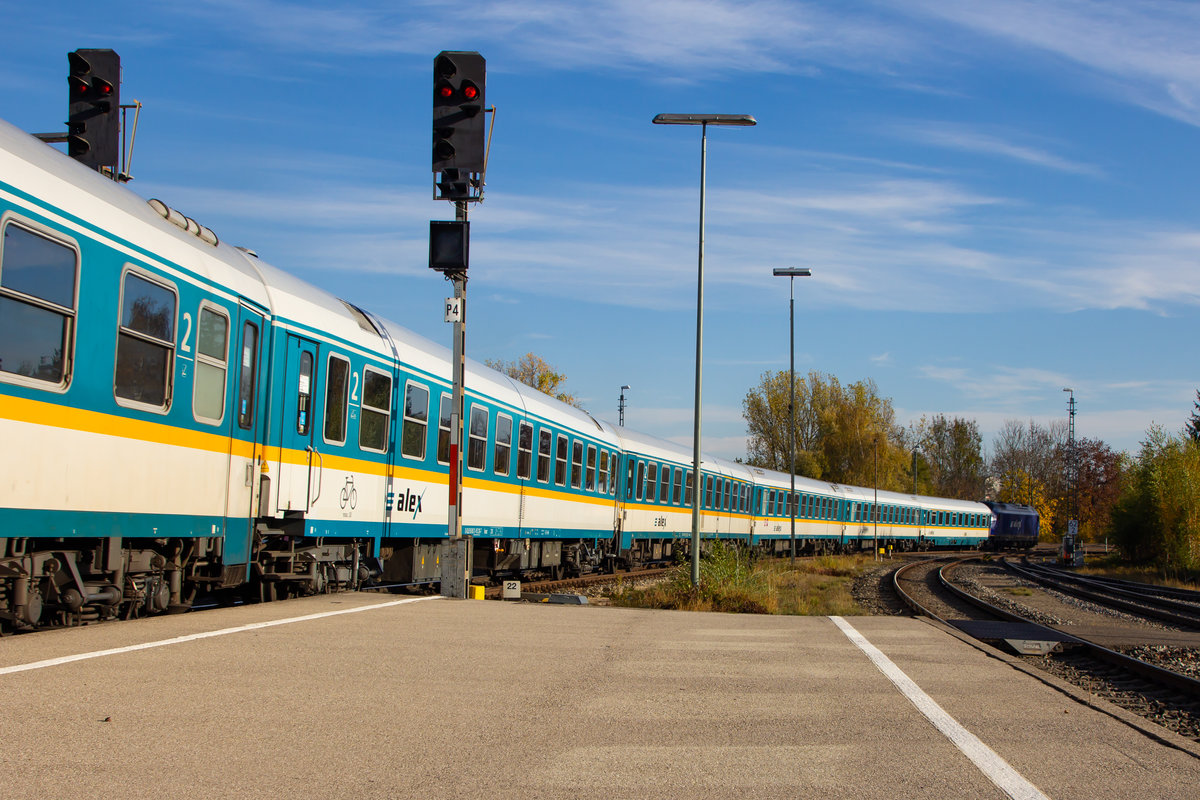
(532, 371)
(838, 430)
(1100, 476)
(1192, 429)
(949, 457)
(1028, 467)
(1157, 517)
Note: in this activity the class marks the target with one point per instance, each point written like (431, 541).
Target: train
(1014, 526)
(183, 420)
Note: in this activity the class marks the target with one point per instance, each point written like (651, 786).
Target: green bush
(1157, 518)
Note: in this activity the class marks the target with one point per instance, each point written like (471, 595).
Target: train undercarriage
(66, 582)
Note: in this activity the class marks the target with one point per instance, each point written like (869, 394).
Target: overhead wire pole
(1072, 464)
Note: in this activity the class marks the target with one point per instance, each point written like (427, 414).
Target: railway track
(589, 581)
(1180, 607)
(1165, 696)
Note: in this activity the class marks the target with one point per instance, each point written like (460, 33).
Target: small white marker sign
(453, 309)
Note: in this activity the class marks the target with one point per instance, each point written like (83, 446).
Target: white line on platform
(985, 758)
(191, 637)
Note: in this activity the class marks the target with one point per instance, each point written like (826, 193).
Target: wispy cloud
(960, 137)
(1146, 53)
(874, 243)
(670, 40)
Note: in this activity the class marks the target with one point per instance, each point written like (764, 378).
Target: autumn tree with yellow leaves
(531, 370)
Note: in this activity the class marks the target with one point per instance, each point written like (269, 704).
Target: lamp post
(621, 405)
(791, 274)
(703, 120)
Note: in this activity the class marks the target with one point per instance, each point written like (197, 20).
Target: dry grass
(732, 582)
(1113, 569)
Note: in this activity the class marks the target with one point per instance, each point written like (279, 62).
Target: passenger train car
(180, 417)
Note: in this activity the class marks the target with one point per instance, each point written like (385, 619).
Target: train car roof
(781, 480)
(82, 201)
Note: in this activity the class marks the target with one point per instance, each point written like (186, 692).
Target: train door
(246, 478)
(297, 476)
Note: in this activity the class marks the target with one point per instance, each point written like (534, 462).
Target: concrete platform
(439, 698)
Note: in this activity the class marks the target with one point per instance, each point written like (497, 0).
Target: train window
(603, 472)
(651, 482)
(416, 420)
(612, 479)
(376, 410)
(589, 482)
(708, 491)
(38, 278)
(477, 438)
(689, 484)
(304, 394)
(524, 450)
(678, 484)
(247, 376)
(728, 495)
(544, 444)
(502, 451)
(560, 461)
(641, 479)
(576, 464)
(444, 422)
(145, 342)
(630, 469)
(212, 357)
(337, 381)
(664, 488)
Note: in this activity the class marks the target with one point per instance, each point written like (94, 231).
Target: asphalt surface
(440, 698)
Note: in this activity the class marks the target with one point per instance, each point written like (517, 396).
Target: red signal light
(470, 91)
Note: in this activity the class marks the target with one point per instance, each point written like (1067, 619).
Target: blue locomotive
(1014, 527)
(181, 418)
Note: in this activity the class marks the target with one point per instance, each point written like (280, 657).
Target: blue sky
(997, 199)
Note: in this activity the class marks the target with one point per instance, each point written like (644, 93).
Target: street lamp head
(705, 119)
(1072, 391)
(626, 386)
(791, 272)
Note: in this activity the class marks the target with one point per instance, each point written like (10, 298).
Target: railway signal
(459, 79)
(93, 115)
